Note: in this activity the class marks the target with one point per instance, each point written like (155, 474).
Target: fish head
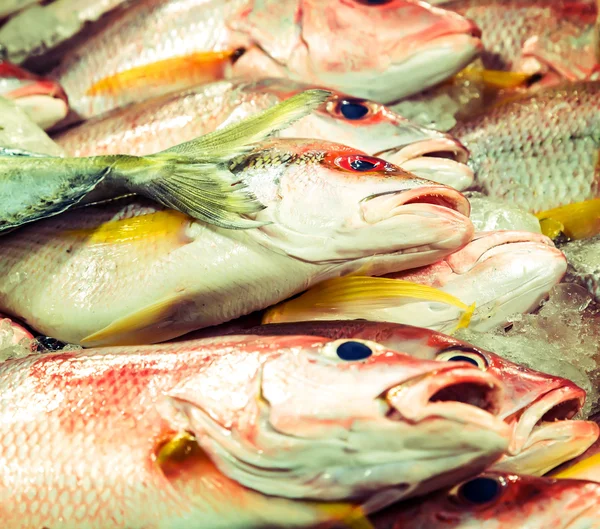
(327, 202)
(566, 49)
(44, 100)
(503, 272)
(310, 417)
(500, 501)
(380, 50)
(376, 129)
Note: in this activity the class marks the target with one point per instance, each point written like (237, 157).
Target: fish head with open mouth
(375, 129)
(43, 100)
(380, 50)
(338, 419)
(502, 501)
(330, 203)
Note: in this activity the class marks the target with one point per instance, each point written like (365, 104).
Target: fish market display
(498, 501)
(538, 151)
(44, 100)
(331, 211)
(19, 132)
(584, 264)
(553, 38)
(502, 273)
(186, 42)
(162, 122)
(537, 406)
(145, 425)
(193, 177)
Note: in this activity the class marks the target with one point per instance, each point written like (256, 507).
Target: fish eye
(373, 2)
(359, 163)
(348, 350)
(351, 108)
(462, 354)
(48, 344)
(479, 491)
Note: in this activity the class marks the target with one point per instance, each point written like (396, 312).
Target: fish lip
(530, 420)
(427, 146)
(481, 397)
(392, 201)
(39, 88)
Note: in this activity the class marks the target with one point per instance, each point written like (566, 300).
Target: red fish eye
(360, 163)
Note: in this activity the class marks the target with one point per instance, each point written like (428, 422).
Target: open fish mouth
(382, 206)
(443, 160)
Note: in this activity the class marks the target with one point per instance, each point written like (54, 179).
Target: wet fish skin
(374, 222)
(532, 502)
(159, 123)
(9, 7)
(538, 151)
(529, 394)
(583, 257)
(102, 441)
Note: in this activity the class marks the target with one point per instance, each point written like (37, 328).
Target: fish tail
(194, 177)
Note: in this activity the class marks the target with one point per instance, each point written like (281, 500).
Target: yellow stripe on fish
(204, 67)
(494, 78)
(362, 293)
(579, 469)
(158, 224)
(580, 220)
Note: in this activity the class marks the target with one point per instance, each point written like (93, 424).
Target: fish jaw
(383, 411)
(44, 100)
(412, 45)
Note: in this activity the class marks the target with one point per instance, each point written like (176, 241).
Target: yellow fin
(159, 224)
(581, 469)
(497, 79)
(355, 295)
(200, 67)
(579, 220)
(351, 516)
(141, 327)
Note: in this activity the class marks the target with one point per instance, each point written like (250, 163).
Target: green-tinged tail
(193, 177)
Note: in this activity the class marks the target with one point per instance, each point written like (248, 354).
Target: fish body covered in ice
(43, 99)
(162, 122)
(501, 273)
(410, 45)
(497, 500)
(538, 151)
(538, 407)
(193, 434)
(130, 271)
(193, 177)
(583, 257)
(550, 38)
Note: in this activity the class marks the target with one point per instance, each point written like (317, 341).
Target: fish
(19, 132)
(162, 122)
(501, 500)
(330, 211)
(538, 407)
(551, 39)
(501, 273)
(196, 433)
(192, 177)
(44, 100)
(579, 220)
(189, 42)
(583, 257)
(537, 151)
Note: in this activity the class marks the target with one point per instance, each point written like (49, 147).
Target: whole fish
(159, 46)
(44, 101)
(554, 38)
(193, 177)
(538, 151)
(131, 436)
(159, 123)
(502, 273)
(330, 211)
(583, 257)
(502, 501)
(537, 406)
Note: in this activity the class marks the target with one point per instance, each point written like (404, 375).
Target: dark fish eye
(46, 343)
(373, 2)
(362, 165)
(352, 351)
(479, 491)
(353, 109)
(460, 354)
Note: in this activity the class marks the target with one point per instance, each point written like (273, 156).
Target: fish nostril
(480, 395)
(561, 412)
